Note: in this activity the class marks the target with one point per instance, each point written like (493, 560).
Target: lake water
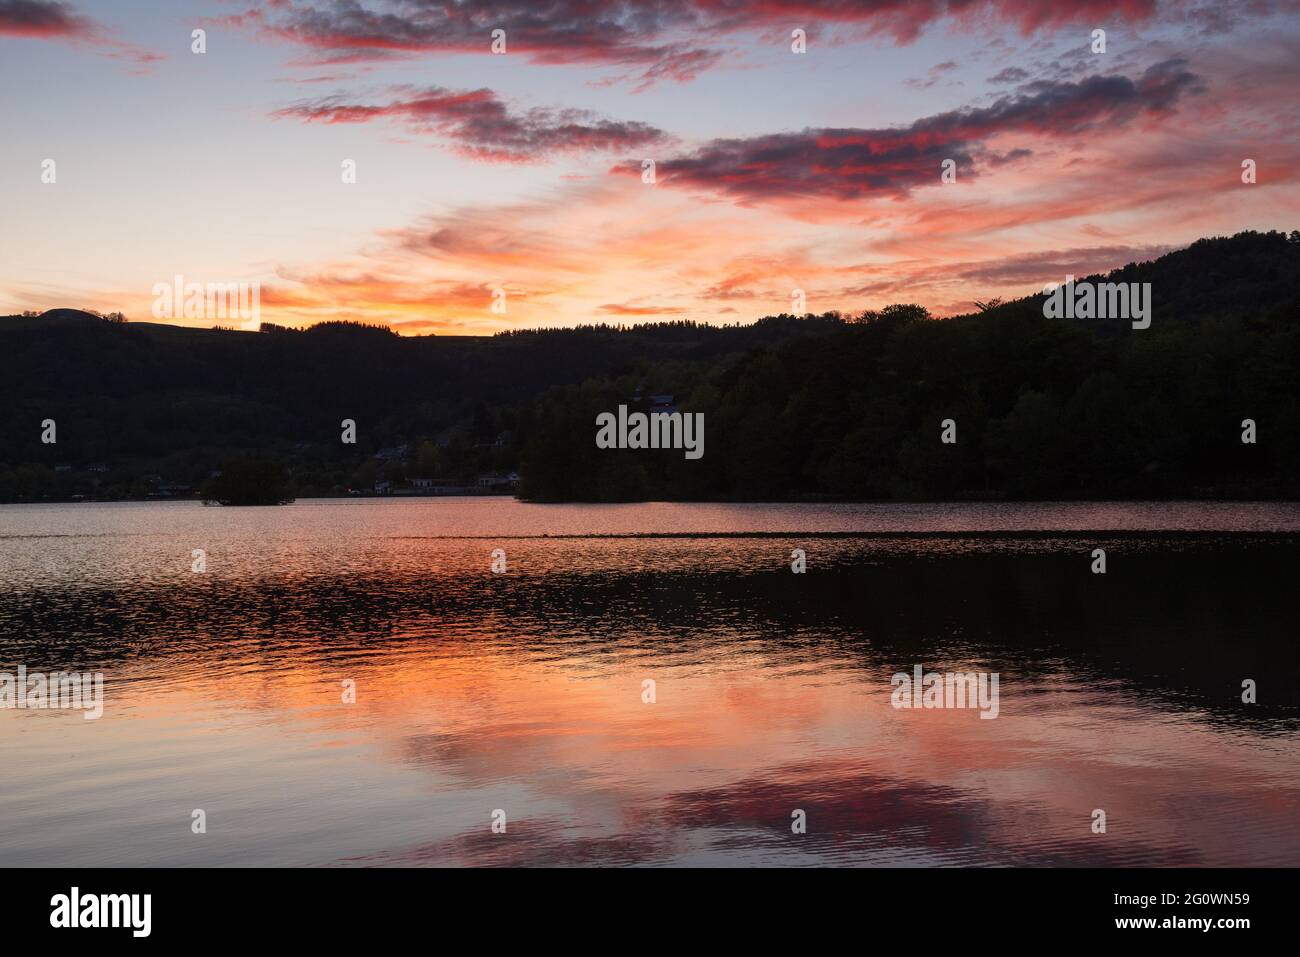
(523, 691)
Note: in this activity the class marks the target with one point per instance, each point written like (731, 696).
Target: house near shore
(171, 490)
(433, 486)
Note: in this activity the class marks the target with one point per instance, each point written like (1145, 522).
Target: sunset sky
(775, 170)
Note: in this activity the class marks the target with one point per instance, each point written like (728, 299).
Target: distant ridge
(1248, 273)
(1215, 276)
(59, 315)
(835, 406)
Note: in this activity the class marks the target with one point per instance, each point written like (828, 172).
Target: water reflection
(523, 692)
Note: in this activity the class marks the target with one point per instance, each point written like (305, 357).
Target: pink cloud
(848, 164)
(660, 41)
(53, 20)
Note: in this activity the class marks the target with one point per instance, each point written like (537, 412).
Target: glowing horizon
(776, 171)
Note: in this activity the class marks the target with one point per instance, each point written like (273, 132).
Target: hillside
(830, 406)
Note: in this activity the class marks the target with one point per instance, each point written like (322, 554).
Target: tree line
(819, 407)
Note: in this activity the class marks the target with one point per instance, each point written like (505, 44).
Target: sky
(509, 190)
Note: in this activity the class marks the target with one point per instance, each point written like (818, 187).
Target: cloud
(847, 164)
(481, 125)
(659, 40)
(627, 309)
(567, 31)
(1012, 74)
(579, 252)
(932, 76)
(42, 19)
(1054, 265)
(52, 20)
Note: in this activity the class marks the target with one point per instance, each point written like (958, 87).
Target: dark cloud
(41, 18)
(481, 125)
(853, 163)
(1011, 156)
(1012, 74)
(659, 39)
(562, 31)
(52, 20)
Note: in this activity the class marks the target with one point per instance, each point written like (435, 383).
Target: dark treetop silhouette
(831, 406)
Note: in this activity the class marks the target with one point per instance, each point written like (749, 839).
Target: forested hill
(830, 406)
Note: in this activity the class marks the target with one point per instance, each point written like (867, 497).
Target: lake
(521, 695)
